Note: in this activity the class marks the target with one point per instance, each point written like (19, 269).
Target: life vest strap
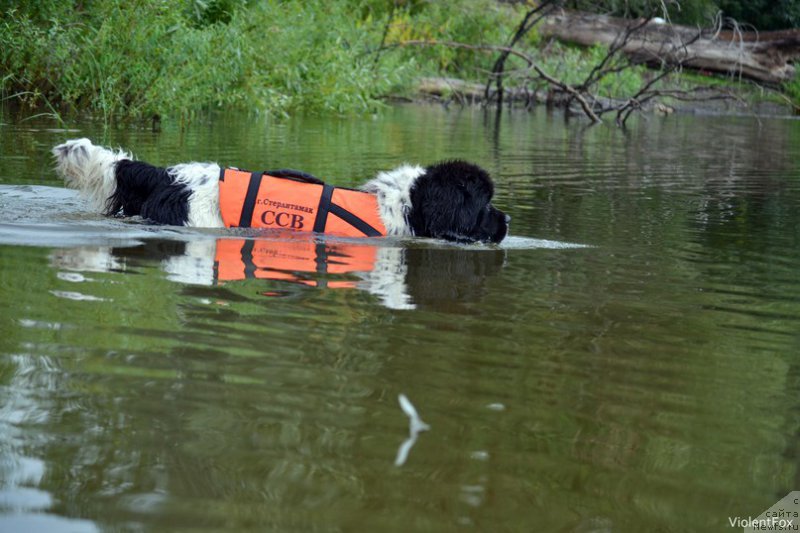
(247, 258)
(354, 221)
(322, 210)
(250, 199)
(296, 175)
(327, 206)
(265, 197)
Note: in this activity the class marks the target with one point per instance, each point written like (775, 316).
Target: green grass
(792, 90)
(123, 59)
(140, 58)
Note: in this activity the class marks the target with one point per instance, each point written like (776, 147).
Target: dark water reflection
(159, 379)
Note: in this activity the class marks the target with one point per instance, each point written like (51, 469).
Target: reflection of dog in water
(450, 200)
(444, 278)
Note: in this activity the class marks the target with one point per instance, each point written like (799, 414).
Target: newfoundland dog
(451, 200)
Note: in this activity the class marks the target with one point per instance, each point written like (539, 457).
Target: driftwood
(765, 57)
(463, 92)
(632, 38)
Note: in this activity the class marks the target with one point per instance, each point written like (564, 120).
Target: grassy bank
(129, 59)
(173, 58)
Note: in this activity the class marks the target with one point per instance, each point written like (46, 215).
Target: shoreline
(448, 91)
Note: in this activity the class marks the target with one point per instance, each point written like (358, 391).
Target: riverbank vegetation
(120, 59)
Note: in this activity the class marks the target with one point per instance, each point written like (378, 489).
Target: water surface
(159, 379)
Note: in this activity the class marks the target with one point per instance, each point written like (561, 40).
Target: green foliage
(206, 12)
(472, 22)
(686, 11)
(572, 65)
(761, 14)
(122, 58)
(176, 57)
(792, 89)
(41, 11)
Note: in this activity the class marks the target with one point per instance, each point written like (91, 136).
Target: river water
(628, 360)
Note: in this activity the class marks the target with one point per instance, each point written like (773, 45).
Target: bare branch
(618, 44)
(587, 109)
(672, 55)
(523, 28)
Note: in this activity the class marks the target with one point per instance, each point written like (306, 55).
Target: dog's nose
(508, 219)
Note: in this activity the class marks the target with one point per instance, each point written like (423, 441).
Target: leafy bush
(472, 22)
(119, 58)
(761, 14)
(152, 57)
(572, 65)
(792, 90)
(699, 12)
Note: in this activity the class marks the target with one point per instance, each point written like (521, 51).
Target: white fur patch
(393, 189)
(195, 266)
(387, 280)
(203, 180)
(88, 168)
(86, 259)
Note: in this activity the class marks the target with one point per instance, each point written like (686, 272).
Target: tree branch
(587, 109)
(499, 65)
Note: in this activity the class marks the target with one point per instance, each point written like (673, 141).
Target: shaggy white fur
(89, 168)
(203, 180)
(86, 259)
(195, 266)
(393, 189)
(387, 280)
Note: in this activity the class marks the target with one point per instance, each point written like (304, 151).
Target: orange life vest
(288, 199)
(299, 261)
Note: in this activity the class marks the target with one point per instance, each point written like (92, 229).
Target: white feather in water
(415, 427)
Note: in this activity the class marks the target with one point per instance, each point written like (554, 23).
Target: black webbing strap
(250, 200)
(295, 175)
(247, 259)
(321, 258)
(322, 210)
(354, 221)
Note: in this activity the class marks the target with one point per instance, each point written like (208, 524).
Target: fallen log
(766, 57)
(465, 92)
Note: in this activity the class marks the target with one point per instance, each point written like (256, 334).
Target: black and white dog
(449, 200)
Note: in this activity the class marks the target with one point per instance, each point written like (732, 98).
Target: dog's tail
(90, 169)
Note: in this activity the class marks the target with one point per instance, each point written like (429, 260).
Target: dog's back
(150, 192)
(116, 184)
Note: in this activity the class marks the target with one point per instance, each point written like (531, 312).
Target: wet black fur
(149, 192)
(452, 201)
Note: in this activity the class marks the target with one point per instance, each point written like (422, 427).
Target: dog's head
(452, 200)
(88, 168)
(72, 157)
